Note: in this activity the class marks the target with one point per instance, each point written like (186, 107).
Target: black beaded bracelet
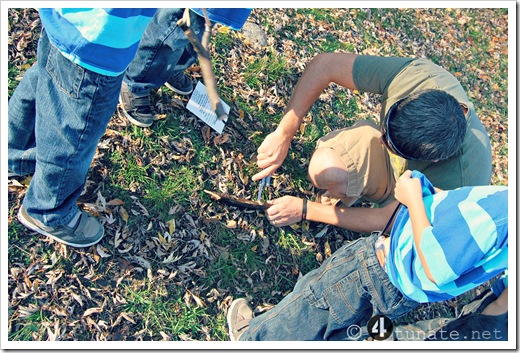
(304, 210)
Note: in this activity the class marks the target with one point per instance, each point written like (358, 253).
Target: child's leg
(328, 302)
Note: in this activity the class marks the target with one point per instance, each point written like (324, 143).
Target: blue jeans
(56, 116)
(333, 301)
(164, 50)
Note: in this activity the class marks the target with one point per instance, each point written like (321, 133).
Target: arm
(287, 210)
(408, 192)
(499, 306)
(321, 71)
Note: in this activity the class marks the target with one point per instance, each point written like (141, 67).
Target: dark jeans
(164, 50)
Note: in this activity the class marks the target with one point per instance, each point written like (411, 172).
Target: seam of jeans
(367, 269)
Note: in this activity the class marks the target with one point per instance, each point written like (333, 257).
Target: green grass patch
(156, 308)
(29, 328)
(266, 70)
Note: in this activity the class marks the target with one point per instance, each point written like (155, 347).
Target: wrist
(304, 210)
(289, 125)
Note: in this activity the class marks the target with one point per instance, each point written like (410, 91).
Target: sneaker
(238, 316)
(11, 174)
(136, 109)
(86, 232)
(180, 83)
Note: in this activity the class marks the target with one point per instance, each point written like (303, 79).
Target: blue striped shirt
(466, 244)
(98, 39)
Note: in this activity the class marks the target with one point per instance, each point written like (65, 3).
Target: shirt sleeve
(375, 73)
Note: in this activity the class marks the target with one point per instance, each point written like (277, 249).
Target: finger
(272, 212)
(263, 155)
(267, 162)
(268, 205)
(260, 175)
(264, 173)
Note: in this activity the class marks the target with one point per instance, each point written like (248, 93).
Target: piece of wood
(235, 201)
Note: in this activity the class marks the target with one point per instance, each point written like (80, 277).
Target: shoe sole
(178, 90)
(37, 229)
(130, 118)
(232, 311)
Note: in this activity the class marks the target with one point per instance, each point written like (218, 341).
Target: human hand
(272, 153)
(284, 211)
(408, 190)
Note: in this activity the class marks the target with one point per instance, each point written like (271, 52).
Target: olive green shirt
(395, 78)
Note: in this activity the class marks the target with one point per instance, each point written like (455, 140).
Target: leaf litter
(200, 251)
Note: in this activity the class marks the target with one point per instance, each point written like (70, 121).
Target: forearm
(498, 306)
(420, 221)
(319, 73)
(357, 219)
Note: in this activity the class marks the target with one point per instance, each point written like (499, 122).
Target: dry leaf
(221, 139)
(206, 131)
(115, 202)
(231, 224)
(327, 249)
(171, 226)
(103, 252)
(123, 214)
(91, 311)
(223, 29)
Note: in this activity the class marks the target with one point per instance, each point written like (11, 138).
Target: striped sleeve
(466, 235)
(99, 39)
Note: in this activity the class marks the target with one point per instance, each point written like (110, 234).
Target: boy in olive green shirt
(427, 123)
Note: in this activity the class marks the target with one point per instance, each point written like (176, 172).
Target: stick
(204, 60)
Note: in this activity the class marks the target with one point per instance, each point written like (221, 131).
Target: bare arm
(287, 210)
(498, 306)
(321, 71)
(408, 192)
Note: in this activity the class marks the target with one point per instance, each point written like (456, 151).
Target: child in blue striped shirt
(441, 245)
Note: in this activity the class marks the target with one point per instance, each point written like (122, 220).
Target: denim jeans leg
(164, 49)
(333, 302)
(304, 314)
(73, 108)
(21, 121)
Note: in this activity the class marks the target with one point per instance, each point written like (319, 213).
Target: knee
(326, 168)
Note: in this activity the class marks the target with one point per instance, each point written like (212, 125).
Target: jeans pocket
(66, 75)
(345, 299)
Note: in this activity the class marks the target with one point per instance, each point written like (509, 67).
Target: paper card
(200, 105)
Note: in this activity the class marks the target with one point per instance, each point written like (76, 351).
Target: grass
(170, 264)
(159, 311)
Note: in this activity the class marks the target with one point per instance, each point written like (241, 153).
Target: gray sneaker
(87, 231)
(137, 109)
(11, 174)
(180, 83)
(238, 316)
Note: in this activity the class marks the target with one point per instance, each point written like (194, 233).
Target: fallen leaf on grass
(123, 213)
(115, 202)
(91, 311)
(103, 252)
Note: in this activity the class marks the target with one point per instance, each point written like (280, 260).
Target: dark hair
(428, 125)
